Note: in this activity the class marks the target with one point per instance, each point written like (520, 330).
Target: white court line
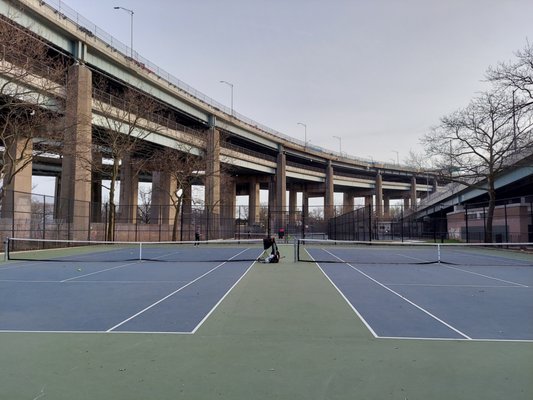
(90, 282)
(459, 286)
(223, 297)
(486, 276)
(20, 264)
(99, 272)
(456, 339)
(345, 298)
(171, 294)
(403, 298)
(348, 301)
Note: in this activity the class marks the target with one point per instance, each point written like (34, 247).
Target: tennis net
(101, 251)
(378, 252)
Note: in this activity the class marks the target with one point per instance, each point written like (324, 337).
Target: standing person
(274, 255)
(197, 238)
(281, 233)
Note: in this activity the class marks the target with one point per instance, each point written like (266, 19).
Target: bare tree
(183, 166)
(145, 197)
(189, 163)
(30, 99)
(516, 76)
(418, 160)
(124, 119)
(474, 145)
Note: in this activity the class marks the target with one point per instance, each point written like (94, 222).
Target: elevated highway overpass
(259, 157)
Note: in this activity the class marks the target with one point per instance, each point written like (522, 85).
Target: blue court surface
(129, 296)
(438, 301)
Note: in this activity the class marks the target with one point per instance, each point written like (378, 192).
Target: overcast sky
(376, 73)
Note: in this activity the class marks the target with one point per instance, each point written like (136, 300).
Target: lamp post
(397, 157)
(179, 194)
(131, 26)
(305, 132)
(231, 86)
(340, 144)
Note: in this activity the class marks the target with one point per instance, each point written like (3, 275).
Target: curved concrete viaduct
(259, 156)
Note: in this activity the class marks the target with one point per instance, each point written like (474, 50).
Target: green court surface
(284, 332)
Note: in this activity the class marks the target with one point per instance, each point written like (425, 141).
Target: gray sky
(377, 73)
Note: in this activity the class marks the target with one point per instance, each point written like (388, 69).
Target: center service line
(403, 298)
(172, 294)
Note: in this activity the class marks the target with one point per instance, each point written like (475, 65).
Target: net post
(438, 252)
(140, 251)
(295, 243)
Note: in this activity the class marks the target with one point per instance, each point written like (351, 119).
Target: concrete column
(129, 191)
(77, 157)
(212, 182)
(413, 192)
(227, 207)
(293, 200)
(187, 231)
(160, 210)
(272, 206)
(16, 203)
(96, 188)
(305, 210)
(347, 202)
(329, 197)
(379, 195)
(368, 200)
(386, 206)
(253, 202)
(406, 203)
(281, 189)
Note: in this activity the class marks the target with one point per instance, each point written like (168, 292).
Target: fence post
(466, 223)
(370, 222)
(506, 225)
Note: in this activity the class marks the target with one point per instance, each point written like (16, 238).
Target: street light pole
(131, 26)
(397, 157)
(340, 144)
(305, 132)
(231, 86)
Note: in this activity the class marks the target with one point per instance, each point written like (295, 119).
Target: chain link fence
(37, 216)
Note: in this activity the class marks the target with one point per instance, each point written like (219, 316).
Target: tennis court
(413, 290)
(74, 289)
(262, 331)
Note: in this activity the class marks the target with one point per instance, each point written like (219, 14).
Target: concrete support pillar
(329, 197)
(293, 200)
(413, 192)
(161, 208)
(77, 158)
(96, 188)
(379, 195)
(16, 203)
(386, 206)
(281, 189)
(212, 182)
(368, 200)
(272, 206)
(347, 202)
(187, 231)
(305, 211)
(129, 191)
(253, 203)
(227, 207)
(406, 203)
